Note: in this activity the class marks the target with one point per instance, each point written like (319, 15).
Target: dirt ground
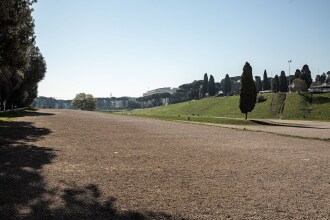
(65, 164)
(305, 129)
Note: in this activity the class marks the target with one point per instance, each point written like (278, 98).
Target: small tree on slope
(248, 91)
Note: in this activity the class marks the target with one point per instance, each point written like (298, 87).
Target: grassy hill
(279, 105)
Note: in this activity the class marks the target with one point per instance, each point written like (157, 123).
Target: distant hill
(278, 105)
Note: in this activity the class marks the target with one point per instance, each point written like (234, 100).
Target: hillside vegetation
(278, 105)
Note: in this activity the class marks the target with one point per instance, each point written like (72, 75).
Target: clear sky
(126, 47)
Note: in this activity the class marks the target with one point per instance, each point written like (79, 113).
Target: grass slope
(279, 105)
(305, 106)
(8, 116)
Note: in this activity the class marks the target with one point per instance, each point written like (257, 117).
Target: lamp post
(289, 75)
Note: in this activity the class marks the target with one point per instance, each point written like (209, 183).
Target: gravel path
(305, 129)
(65, 164)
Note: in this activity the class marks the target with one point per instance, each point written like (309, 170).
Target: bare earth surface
(63, 164)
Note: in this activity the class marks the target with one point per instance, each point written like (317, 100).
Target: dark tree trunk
(246, 115)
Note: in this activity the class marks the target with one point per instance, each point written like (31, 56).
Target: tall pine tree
(227, 85)
(205, 85)
(211, 86)
(258, 83)
(306, 75)
(248, 93)
(275, 84)
(266, 82)
(283, 82)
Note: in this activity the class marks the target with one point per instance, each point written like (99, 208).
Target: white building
(160, 90)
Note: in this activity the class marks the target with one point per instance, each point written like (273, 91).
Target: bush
(261, 98)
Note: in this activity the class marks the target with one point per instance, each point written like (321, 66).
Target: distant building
(160, 91)
(324, 88)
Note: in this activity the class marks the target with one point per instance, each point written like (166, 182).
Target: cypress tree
(248, 93)
(258, 83)
(297, 74)
(283, 82)
(266, 82)
(275, 84)
(205, 85)
(306, 75)
(211, 86)
(227, 86)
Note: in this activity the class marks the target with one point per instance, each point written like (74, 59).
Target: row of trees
(208, 86)
(301, 81)
(280, 83)
(22, 65)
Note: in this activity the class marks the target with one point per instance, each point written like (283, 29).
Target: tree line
(22, 65)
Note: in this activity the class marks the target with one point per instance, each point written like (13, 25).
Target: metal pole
(289, 75)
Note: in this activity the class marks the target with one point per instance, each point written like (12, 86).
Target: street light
(289, 75)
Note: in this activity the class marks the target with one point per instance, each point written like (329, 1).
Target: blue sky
(126, 47)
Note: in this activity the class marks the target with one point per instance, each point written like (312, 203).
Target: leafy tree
(266, 82)
(205, 85)
(306, 75)
(84, 101)
(211, 86)
(248, 93)
(16, 42)
(258, 83)
(283, 83)
(299, 85)
(275, 84)
(28, 89)
(192, 89)
(227, 85)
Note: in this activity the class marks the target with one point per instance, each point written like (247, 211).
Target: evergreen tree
(283, 82)
(211, 86)
(227, 85)
(306, 75)
(266, 82)
(258, 83)
(297, 74)
(205, 85)
(275, 84)
(248, 91)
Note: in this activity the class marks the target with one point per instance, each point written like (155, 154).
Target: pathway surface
(305, 129)
(65, 164)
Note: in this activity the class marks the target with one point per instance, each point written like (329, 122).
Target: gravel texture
(66, 164)
(304, 129)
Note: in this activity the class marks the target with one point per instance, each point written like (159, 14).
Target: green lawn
(305, 106)
(279, 105)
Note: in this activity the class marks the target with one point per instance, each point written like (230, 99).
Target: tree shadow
(20, 164)
(321, 100)
(84, 203)
(25, 195)
(268, 123)
(25, 113)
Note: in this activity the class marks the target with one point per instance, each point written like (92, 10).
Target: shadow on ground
(259, 122)
(24, 194)
(320, 100)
